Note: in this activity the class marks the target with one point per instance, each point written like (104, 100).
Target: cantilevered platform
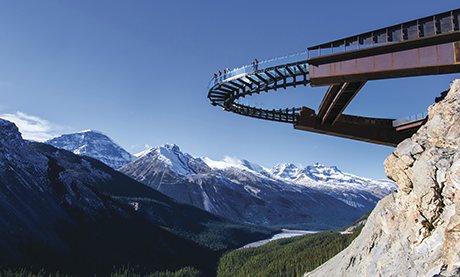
(425, 46)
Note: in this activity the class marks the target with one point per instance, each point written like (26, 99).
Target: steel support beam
(373, 130)
(340, 101)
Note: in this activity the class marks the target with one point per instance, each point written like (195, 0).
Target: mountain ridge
(215, 185)
(241, 190)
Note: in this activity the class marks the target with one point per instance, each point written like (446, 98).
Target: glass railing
(225, 75)
(409, 119)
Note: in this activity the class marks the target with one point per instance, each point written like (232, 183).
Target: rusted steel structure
(426, 46)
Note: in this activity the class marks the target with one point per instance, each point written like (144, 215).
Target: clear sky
(138, 72)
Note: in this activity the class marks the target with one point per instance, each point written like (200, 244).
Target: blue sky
(138, 72)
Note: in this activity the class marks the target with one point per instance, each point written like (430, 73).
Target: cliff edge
(416, 230)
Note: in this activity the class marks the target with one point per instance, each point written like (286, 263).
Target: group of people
(219, 73)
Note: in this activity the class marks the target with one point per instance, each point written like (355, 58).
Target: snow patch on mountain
(143, 152)
(229, 162)
(287, 171)
(252, 190)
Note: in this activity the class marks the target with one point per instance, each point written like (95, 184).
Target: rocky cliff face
(416, 230)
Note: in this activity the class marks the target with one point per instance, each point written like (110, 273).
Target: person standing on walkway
(255, 63)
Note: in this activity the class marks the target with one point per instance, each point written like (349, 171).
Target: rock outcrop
(416, 230)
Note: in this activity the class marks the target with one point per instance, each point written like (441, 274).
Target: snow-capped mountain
(75, 213)
(95, 145)
(241, 190)
(285, 195)
(286, 171)
(356, 191)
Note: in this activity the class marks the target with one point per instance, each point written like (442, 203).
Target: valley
(174, 202)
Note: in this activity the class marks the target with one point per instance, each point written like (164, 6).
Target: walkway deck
(425, 46)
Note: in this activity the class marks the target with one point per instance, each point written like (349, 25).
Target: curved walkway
(278, 73)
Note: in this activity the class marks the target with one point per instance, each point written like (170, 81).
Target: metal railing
(412, 30)
(409, 119)
(259, 66)
(281, 115)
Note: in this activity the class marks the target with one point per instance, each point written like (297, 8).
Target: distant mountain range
(67, 212)
(362, 193)
(314, 197)
(286, 195)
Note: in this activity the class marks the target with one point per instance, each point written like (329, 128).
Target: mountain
(221, 187)
(315, 197)
(72, 213)
(93, 144)
(362, 193)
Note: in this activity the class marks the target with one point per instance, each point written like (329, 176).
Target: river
(285, 233)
